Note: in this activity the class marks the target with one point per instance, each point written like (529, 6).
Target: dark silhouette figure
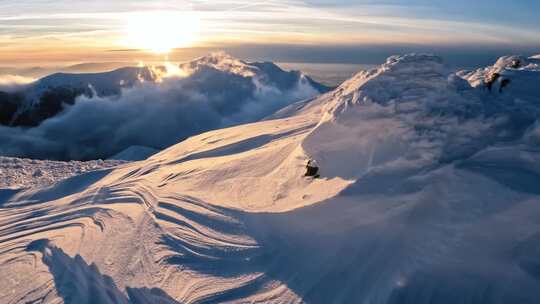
(312, 169)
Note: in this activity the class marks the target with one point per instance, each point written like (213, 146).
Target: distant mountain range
(49, 95)
(230, 91)
(42, 71)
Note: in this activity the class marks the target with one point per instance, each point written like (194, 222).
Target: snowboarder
(312, 169)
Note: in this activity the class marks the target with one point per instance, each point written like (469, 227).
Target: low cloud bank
(10, 83)
(156, 115)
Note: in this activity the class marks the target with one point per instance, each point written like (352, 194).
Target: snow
(104, 84)
(521, 72)
(134, 153)
(428, 194)
(24, 173)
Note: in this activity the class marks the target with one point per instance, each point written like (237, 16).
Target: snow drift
(134, 153)
(428, 194)
(16, 173)
(90, 116)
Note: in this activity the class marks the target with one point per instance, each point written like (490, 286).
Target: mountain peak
(267, 73)
(218, 56)
(223, 62)
(398, 65)
(211, 92)
(401, 79)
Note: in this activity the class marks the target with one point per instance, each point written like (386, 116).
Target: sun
(160, 32)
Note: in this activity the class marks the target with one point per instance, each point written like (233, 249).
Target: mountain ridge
(70, 116)
(427, 193)
(110, 83)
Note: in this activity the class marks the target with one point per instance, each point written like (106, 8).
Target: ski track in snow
(428, 194)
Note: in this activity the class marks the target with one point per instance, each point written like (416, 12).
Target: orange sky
(66, 32)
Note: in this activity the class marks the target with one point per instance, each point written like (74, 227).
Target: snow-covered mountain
(75, 116)
(48, 96)
(428, 193)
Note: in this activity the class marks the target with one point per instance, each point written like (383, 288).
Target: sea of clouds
(10, 83)
(150, 114)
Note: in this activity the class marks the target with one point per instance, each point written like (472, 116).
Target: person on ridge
(312, 168)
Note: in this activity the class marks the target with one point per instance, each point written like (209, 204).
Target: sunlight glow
(160, 32)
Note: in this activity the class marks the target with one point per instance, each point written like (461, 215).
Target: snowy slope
(104, 84)
(428, 194)
(134, 153)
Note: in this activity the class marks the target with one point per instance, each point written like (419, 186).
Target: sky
(39, 32)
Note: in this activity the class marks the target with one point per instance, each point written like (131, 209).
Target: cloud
(9, 83)
(152, 114)
(232, 22)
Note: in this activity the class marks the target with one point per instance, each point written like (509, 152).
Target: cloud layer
(151, 114)
(9, 83)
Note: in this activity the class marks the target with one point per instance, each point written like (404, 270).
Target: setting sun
(160, 32)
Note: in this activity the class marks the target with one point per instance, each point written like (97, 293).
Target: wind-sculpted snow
(430, 117)
(90, 116)
(511, 77)
(24, 173)
(134, 153)
(427, 194)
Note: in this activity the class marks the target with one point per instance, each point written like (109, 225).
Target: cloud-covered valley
(213, 92)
